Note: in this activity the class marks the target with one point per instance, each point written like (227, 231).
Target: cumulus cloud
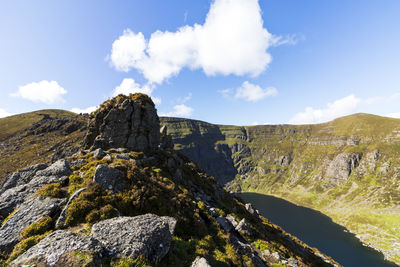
(48, 92)
(84, 110)
(127, 49)
(180, 111)
(232, 40)
(129, 86)
(252, 92)
(4, 113)
(341, 107)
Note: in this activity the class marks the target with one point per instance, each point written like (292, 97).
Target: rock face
(341, 167)
(21, 177)
(109, 178)
(148, 235)
(29, 212)
(16, 191)
(54, 246)
(125, 121)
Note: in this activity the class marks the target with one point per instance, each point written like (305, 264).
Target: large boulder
(124, 121)
(21, 177)
(109, 178)
(54, 249)
(32, 179)
(29, 212)
(128, 237)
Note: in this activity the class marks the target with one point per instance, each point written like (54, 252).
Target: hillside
(39, 136)
(348, 169)
(116, 193)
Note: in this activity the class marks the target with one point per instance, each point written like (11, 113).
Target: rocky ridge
(167, 213)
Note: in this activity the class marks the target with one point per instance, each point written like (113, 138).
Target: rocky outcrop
(21, 177)
(200, 262)
(148, 235)
(243, 227)
(125, 121)
(32, 179)
(29, 212)
(51, 249)
(63, 215)
(109, 178)
(341, 167)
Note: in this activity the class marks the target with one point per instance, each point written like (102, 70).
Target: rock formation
(129, 122)
(148, 235)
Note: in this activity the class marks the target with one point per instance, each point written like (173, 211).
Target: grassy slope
(368, 203)
(18, 150)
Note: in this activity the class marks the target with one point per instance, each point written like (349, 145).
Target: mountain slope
(39, 136)
(348, 169)
(137, 205)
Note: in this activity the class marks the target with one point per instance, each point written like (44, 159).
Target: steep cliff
(348, 169)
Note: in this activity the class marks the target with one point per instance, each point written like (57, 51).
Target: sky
(240, 62)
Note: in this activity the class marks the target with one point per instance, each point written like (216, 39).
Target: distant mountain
(348, 168)
(109, 190)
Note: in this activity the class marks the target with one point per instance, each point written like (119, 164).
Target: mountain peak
(130, 122)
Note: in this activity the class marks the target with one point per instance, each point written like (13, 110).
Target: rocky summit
(131, 123)
(127, 198)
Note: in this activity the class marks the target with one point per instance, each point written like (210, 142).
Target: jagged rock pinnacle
(124, 121)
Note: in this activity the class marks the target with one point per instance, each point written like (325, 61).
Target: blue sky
(225, 61)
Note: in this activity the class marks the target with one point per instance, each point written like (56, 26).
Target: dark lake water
(316, 230)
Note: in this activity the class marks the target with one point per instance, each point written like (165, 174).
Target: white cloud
(84, 110)
(341, 107)
(128, 49)
(129, 86)
(252, 92)
(232, 40)
(393, 115)
(48, 92)
(180, 111)
(4, 113)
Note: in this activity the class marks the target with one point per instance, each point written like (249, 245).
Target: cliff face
(348, 168)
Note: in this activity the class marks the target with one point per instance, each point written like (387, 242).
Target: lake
(316, 230)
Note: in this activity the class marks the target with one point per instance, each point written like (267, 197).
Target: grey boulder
(109, 178)
(50, 249)
(33, 178)
(29, 212)
(129, 237)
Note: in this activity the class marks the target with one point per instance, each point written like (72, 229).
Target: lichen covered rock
(129, 237)
(55, 247)
(109, 178)
(29, 212)
(31, 179)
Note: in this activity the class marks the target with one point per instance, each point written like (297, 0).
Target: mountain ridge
(143, 204)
